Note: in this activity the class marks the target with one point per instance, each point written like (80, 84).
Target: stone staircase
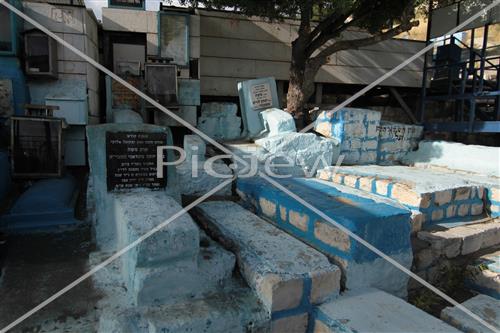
(175, 270)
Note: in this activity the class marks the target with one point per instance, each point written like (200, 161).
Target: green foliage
(372, 15)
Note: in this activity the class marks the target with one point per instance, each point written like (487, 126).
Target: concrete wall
(234, 48)
(125, 20)
(77, 26)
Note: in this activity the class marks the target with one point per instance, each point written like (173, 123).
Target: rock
(306, 151)
(278, 122)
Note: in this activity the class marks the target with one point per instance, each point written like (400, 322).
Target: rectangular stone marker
(256, 96)
(131, 160)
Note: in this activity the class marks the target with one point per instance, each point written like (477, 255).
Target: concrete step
(372, 310)
(483, 275)
(379, 221)
(237, 311)
(179, 240)
(288, 276)
(484, 306)
(183, 279)
(437, 195)
(170, 265)
(462, 238)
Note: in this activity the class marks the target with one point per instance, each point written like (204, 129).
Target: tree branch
(357, 43)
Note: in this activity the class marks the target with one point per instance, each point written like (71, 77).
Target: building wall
(78, 26)
(235, 47)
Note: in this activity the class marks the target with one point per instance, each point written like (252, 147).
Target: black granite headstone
(131, 160)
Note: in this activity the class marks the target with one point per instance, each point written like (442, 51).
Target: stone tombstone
(256, 96)
(122, 159)
(131, 160)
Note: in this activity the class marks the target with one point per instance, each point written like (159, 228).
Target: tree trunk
(300, 87)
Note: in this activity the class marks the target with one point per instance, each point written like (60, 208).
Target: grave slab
(287, 275)
(371, 310)
(437, 195)
(237, 311)
(382, 223)
(484, 306)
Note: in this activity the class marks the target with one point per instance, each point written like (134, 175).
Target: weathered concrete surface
(197, 181)
(168, 265)
(395, 140)
(462, 240)
(194, 146)
(181, 280)
(219, 121)
(437, 195)
(355, 129)
(126, 116)
(484, 306)
(287, 275)
(372, 310)
(456, 156)
(384, 225)
(484, 274)
(237, 311)
(306, 151)
(277, 122)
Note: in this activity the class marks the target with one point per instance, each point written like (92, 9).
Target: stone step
(379, 221)
(483, 275)
(462, 239)
(371, 310)
(237, 311)
(288, 276)
(179, 240)
(183, 279)
(487, 308)
(437, 195)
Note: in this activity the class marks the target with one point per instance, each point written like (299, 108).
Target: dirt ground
(36, 267)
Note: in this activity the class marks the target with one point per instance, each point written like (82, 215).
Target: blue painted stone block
(189, 92)
(355, 129)
(380, 222)
(256, 96)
